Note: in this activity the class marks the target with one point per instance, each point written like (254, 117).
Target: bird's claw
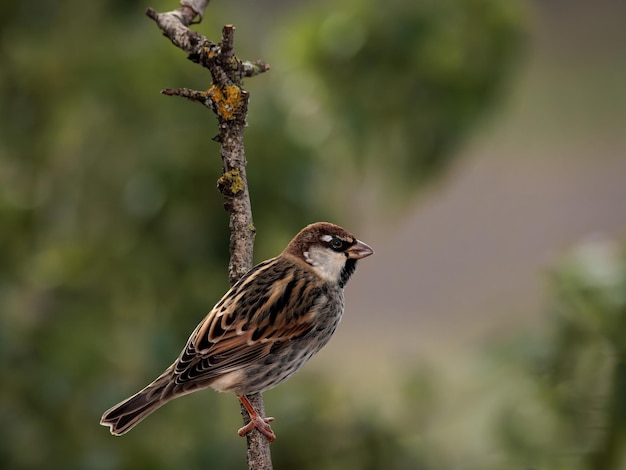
(261, 424)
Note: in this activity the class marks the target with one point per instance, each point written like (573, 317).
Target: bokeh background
(477, 145)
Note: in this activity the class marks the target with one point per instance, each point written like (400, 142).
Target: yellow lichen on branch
(210, 53)
(231, 181)
(227, 100)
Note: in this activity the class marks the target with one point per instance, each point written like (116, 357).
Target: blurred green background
(477, 145)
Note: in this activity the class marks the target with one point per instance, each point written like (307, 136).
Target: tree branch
(229, 101)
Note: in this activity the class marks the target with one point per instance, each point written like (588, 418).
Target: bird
(262, 331)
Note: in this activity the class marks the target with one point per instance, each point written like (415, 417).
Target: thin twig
(229, 101)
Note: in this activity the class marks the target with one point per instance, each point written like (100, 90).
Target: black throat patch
(347, 271)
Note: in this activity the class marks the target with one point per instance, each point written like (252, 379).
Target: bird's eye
(336, 244)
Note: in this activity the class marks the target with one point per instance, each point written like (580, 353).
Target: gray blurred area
(546, 172)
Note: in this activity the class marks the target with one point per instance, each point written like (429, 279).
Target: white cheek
(328, 264)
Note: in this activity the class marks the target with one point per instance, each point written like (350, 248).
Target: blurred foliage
(393, 87)
(569, 410)
(114, 241)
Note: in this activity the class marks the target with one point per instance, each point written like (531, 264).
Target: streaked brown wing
(270, 306)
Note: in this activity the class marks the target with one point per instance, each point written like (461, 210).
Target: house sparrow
(264, 329)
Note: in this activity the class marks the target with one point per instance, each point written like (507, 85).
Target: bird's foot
(256, 421)
(261, 425)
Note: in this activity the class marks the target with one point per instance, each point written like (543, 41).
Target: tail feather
(125, 415)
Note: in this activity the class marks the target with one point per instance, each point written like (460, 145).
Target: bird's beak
(359, 250)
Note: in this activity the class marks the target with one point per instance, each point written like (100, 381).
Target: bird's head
(330, 250)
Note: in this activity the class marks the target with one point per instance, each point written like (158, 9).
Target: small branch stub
(197, 6)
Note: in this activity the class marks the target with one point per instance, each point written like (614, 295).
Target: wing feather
(268, 308)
